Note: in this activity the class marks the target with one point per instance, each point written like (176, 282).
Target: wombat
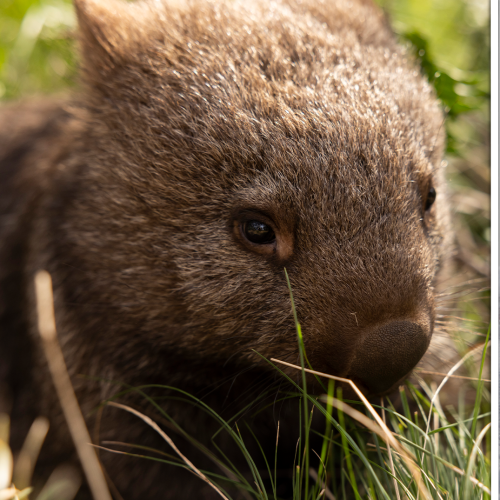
(210, 146)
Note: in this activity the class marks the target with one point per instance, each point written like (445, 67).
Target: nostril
(389, 353)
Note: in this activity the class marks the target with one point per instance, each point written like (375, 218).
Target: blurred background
(449, 37)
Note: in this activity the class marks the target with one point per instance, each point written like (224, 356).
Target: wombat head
(228, 141)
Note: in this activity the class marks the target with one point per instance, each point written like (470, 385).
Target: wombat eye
(431, 197)
(257, 232)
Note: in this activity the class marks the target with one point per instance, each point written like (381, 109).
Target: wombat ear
(108, 31)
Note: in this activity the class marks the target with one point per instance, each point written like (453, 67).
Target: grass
(368, 451)
(419, 450)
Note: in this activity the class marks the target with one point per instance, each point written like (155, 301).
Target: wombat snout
(389, 353)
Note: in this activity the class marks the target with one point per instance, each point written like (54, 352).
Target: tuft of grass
(425, 453)
(368, 451)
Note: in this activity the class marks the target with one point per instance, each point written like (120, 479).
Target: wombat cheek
(389, 353)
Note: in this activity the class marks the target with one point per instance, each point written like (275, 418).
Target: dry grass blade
(156, 427)
(472, 459)
(452, 370)
(480, 485)
(63, 484)
(361, 396)
(389, 452)
(6, 464)
(400, 450)
(325, 491)
(386, 434)
(8, 494)
(454, 468)
(27, 458)
(64, 389)
(355, 414)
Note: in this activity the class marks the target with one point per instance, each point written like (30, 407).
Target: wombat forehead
(279, 171)
(309, 97)
(227, 65)
(324, 157)
(319, 195)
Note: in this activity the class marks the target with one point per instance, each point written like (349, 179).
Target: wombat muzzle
(389, 353)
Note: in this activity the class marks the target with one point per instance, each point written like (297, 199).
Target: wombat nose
(389, 353)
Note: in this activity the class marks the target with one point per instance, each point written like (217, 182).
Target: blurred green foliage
(451, 39)
(37, 53)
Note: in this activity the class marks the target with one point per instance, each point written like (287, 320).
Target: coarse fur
(192, 119)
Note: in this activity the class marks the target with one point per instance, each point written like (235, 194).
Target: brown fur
(306, 114)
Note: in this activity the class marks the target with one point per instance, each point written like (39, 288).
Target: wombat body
(211, 146)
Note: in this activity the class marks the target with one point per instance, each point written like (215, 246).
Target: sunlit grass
(420, 451)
